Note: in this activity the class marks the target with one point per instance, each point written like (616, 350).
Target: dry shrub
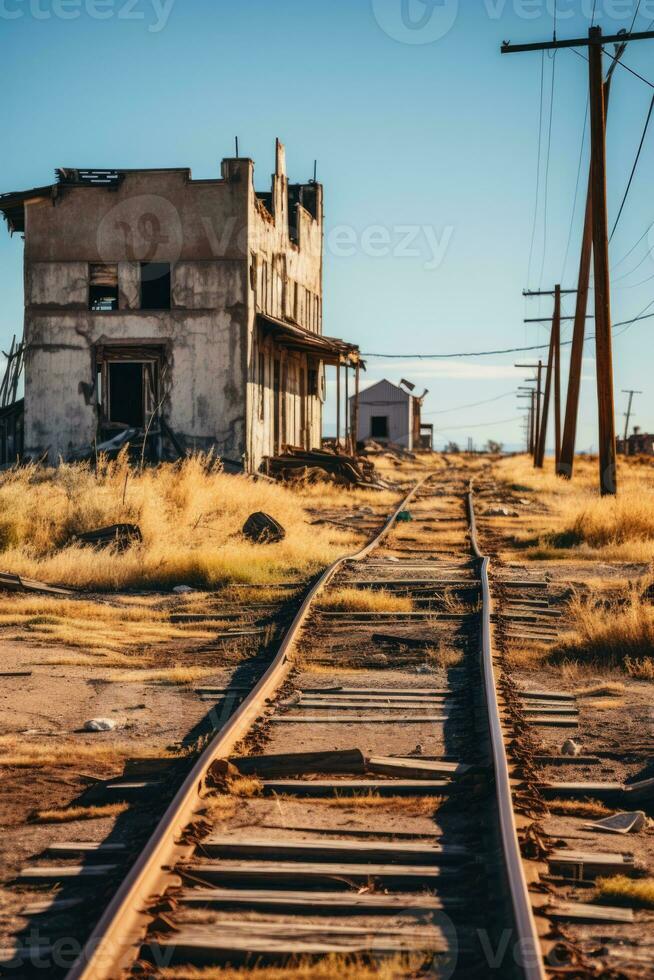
(342, 966)
(19, 752)
(620, 890)
(94, 626)
(617, 634)
(78, 813)
(591, 809)
(364, 600)
(190, 516)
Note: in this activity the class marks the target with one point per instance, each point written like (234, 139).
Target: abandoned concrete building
(186, 313)
(389, 413)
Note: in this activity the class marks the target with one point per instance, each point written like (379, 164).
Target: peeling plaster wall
(230, 258)
(285, 283)
(200, 228)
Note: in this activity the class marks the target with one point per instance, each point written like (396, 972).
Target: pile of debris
(317, 465)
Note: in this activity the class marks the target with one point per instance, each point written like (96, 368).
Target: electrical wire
(547, 173)
(632, 249)
(574, 203)
(506, 350)
(459, 408)
(635, 16)
(633, 169)
(480, 425)
(540, 140)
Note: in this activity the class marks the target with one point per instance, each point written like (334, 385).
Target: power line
(505, 350)
(547, 172)
(633, 169)
(540, 140)
(632, 249)
(459, 408)
(635, 16)
(481, 425)
(574, 203)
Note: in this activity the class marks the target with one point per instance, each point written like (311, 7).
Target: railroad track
(359, 801)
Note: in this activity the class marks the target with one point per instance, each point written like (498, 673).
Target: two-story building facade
(188, 311)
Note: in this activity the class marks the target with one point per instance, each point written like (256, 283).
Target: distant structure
(389, 413)
(173, 313)
(637, 444)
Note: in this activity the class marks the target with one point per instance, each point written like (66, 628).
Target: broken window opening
(379, 427)
(155, 285)
(103, 288)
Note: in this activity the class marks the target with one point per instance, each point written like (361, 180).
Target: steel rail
(115, 940)
(529, 947)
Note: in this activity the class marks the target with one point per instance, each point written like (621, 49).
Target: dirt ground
(48, 762)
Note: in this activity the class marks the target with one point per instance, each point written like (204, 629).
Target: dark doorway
(379, 427)
(126, 404)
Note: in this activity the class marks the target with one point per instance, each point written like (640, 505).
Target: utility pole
(603, 352)
(555, 359)
(537, 420)
(542, 435)
(627, 415)
(556, 341)
(567, 456)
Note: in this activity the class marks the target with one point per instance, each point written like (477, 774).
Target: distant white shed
(390, 413)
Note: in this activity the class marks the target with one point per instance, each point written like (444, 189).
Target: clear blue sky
(426, 140)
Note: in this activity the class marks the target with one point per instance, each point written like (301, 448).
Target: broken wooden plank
(558, 760)
(356, 787)
(579, 790)
(579, 912)
(554, 721)
(301, 874)
(15, 673)
(365, 719)
(318, 849)
(57, 873)
(363, 691)
(548, 695)
(387, 704)
(16, 583)
(70, 848)
(588, 864)
(416, 768)
(204, 946)
(348, 760)
(303, 903)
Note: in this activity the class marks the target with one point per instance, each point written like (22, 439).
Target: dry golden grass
(413, 806)
(220, 807)
(95, 627)
(592, 809)
(579, 522)
(620, 890)
(601, 691)
(18, 752)
(618, 635)
(443, 656)
(78, 813)
(190, 517)
(349, 599)
(343, 967)
(167, 675)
